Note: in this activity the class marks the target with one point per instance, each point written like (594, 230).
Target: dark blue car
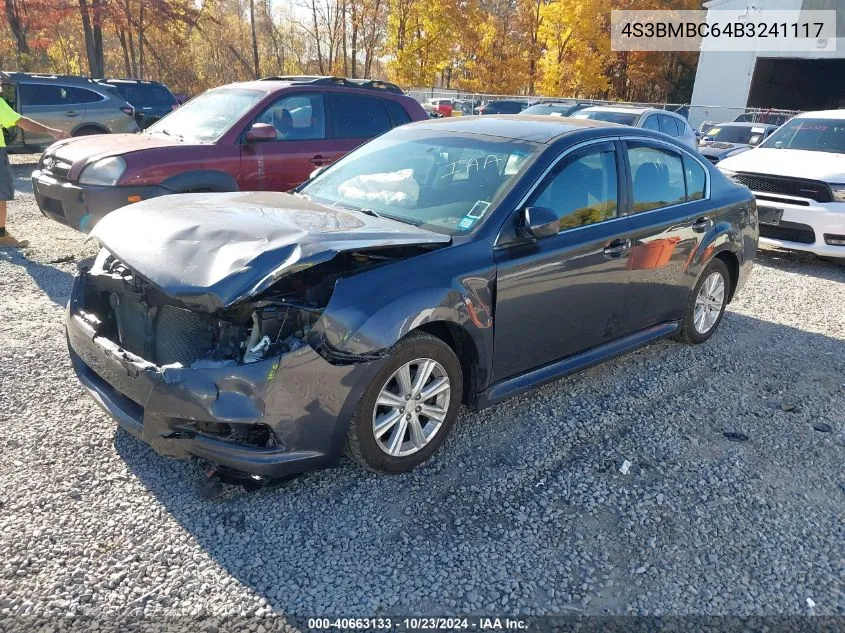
(152, 100)
(450, 262)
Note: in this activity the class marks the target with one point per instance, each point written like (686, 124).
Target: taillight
(128, 110)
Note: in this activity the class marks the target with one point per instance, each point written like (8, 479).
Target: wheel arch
(201, 180)
(462, 343)
(730, 260)
(91, 128)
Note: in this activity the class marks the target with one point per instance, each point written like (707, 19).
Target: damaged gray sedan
(450, 262)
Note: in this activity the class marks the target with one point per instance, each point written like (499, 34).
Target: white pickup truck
(798, 178)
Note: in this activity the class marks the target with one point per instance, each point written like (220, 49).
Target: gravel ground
(733, 503)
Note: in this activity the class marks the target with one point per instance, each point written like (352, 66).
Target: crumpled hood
(213, 250)
(795, 163)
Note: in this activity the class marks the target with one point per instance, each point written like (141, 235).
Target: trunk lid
(212, 251)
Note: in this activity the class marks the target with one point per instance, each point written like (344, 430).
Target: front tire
(409, 408)
(706, 304)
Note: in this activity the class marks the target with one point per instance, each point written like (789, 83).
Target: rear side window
(357, 116)
(696, 179)
(651, 123)
(397, 112)
(584, 191)
(83, 95)
(668, 125)
(658, 177)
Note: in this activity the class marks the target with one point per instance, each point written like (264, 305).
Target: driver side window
(584, 191)
(296, 117)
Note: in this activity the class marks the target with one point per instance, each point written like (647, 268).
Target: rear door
(356, 118)
(670, 214)
(50, 104)
(563, 294)
(302, 144)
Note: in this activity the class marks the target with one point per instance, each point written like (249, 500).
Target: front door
(52, 105)
(563, 294)
(302, 144)
(669, 216)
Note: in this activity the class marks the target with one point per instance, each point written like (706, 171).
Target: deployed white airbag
(397, 188)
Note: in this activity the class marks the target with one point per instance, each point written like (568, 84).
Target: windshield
(737, 134)
(554, 110)
(209, 116)
(625, 118)
(815, 135)
(439, 181)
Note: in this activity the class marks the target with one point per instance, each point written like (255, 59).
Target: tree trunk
(86, 31)
(121, 36)
(343, 39)
(317, 35)
(18, 30)
(354, 42)
(141, 62)
(256, 66)
(97, 36)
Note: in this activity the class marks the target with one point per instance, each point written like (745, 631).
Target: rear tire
(409, 407)
(706, 304)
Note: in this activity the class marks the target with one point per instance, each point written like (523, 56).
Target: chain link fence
(699, 116)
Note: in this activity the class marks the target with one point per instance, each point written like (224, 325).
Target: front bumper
(82, 206)
(304, 400)
(804, 226)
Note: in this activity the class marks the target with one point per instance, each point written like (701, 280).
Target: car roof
(118, 80)
(535, 129)
(620, 108)
(271, 85)
(823, 114)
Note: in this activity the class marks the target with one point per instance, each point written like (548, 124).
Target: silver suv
(75, 104)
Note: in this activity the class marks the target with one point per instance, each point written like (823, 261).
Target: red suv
(260, 135)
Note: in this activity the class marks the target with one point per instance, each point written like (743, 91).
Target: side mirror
(260, 132)
(538, 222)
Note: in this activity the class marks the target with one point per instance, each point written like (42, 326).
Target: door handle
(320, 161)
(71, 113)
(702, 224)
(617, 248)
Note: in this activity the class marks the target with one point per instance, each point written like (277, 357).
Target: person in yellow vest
(10, 118)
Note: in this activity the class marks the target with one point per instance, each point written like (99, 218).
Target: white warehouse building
(728, 83)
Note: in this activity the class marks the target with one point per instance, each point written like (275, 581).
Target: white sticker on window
(478, 210)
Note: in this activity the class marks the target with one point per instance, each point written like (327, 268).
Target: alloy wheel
(411, 407)
(709, 303)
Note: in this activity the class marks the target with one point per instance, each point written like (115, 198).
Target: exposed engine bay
(143, 320)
